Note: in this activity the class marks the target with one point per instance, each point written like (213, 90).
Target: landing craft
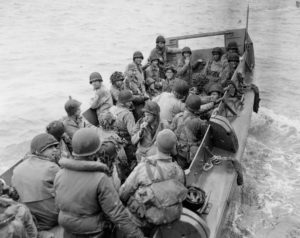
(212, 175)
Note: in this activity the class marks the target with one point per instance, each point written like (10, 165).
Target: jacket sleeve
(130, 123)
(130, 185)
(135, 138)
(112, 206)
(182, 68)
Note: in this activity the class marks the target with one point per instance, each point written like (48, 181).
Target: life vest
(159, 202)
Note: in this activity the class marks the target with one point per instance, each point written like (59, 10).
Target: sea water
(49, 48)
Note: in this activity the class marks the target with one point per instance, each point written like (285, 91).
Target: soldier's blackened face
(169, 74)
(216, 57)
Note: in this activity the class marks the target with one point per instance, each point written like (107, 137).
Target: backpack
(159, 202)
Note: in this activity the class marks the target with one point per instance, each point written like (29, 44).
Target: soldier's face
(216, 57)
(96, 84)
(169, 74)
(233, 64)
(132, 72)
(138, 60)
(214, 96)
(149, 117)
(51, 152)
(160, 45)
(119, 84)
(154, 62)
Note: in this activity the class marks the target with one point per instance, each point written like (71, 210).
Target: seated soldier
(33, 180)
(215, 67)
(170, 73)
(232, 47)
(56, 128)
(146, 130)
(233, 60)
(140, 193)
(124, 127)
(102, 100)
(150, 88)
(192, 110)
(73, 122)
(185, 67)
(174, 102)
(85, 195)
(137, 87)
(15, 219)
(117, 85)
(215, 92)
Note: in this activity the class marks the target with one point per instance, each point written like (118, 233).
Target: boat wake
(268, 203)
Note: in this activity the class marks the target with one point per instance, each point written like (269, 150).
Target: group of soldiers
(95, 179)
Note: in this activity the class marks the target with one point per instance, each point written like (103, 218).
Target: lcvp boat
(225, 138)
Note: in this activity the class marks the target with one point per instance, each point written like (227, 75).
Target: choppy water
(49, 48)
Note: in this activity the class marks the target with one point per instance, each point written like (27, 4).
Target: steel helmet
(138, 54)
(116, 76)
(186, 49)
(153, 57)
(160, 39)
(131, 66)
(152, 107)
(181, 87)
(171, 67)
(71, 106)
(233, 57)
(195, 198)
(217, 50)
(125, 96)
(85, 142)
(41, 142)
(56, 128)
(95, 76)
(106, 120)
(166, 141)
(193, 103)
(232, 45)
(216, 87)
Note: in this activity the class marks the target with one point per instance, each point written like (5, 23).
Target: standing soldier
(192, 110)
(85, 195)
(117, 85)
(162, 50)
(73, 121)
(137, 87)
(146, 130)
(124, 125)
(33, 180)
(172, 103)
(140, 193)
(185, 67)
(102, 100)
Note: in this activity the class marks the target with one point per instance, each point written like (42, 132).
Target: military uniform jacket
(135, 85)
(33, 179)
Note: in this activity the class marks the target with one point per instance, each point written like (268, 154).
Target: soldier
(185, 67)
(172, 103)
(85, 195)
(215, 67)
(140, 185)
(192, 110)
(233, 60)
(73, 121)
(56, 128)
(232, 47)
(33, 180)
(102, 100)
(170, 73)
(137, 60)
(117, 85)
(146, 130)
(150, 88)
(137, 87)
(162, 50)
(124, 126)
